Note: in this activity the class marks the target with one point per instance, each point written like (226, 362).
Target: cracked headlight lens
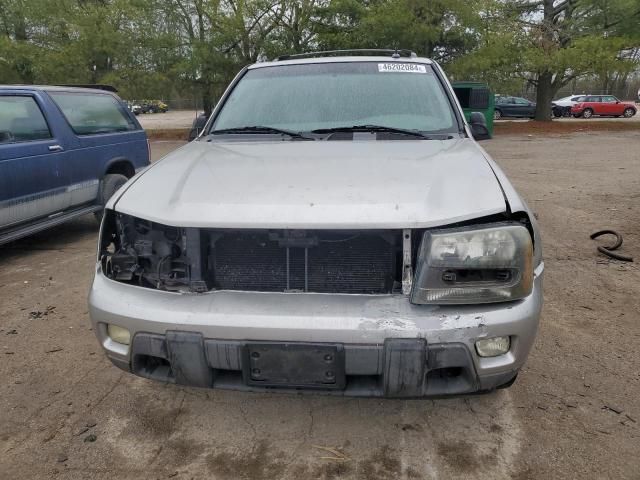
(475, 264)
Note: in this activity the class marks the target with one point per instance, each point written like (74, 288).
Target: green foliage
(188, 48)
(432, 28)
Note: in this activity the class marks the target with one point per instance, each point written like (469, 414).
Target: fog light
(492, 347)
(118, 334)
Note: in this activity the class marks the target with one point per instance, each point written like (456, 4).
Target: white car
(569, 101)
(562, 106)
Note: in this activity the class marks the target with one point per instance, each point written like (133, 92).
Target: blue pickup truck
(63, 152)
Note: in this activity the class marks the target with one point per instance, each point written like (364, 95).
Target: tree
(565, 39)
(432, 28)
(193, 48)
(494, 58)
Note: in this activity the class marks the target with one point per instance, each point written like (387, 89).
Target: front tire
(629, 112)
(110, 185)
(497, 114)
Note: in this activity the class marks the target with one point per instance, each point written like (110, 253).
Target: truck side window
(21, 120)
(91, 114)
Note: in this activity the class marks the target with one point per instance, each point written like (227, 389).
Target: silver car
(334, 229)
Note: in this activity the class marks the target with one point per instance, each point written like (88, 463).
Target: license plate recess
(294, 365)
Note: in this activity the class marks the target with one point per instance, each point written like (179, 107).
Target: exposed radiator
(322, 262)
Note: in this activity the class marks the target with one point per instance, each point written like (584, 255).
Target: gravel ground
(574, 412)
(171, 119)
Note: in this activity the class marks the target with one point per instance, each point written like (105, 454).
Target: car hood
(321, 184)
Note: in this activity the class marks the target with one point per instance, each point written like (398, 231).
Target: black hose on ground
(608, 251)
(615, 255)
(616, 245)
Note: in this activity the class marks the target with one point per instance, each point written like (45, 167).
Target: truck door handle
(55, 148)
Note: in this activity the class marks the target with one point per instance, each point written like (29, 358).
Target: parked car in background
(336, 228)
(152, 106)
(158, 106)
(603, 106)
(63, 153)
(513, 107)
(135, 108)
(562, 106)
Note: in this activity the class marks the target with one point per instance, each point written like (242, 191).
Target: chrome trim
(27, 207)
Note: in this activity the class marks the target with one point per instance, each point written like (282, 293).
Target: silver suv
(335, 228)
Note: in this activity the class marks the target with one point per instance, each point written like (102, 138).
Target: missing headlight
(149, 254)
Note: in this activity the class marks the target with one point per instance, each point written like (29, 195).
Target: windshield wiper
(258, 129)
(381, 128)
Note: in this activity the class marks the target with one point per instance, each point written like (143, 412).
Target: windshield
(308, 97)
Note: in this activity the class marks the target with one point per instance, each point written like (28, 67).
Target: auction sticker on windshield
(402, 67)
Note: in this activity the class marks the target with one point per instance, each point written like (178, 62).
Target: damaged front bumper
(383, 344)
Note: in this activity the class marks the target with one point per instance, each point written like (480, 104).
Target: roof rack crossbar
(396, 53)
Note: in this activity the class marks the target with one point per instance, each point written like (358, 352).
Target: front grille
(322, 262)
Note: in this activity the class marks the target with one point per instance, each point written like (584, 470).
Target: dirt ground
(574, 412)
(171, 119)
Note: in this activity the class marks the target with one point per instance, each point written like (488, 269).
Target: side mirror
(478, 125)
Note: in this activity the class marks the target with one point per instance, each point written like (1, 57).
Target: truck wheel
(110, 185)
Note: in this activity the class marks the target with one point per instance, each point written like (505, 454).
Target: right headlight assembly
(478, 264)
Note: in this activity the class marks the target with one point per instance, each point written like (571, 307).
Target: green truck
(476, 97)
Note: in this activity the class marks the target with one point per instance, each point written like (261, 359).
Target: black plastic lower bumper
(398, 368)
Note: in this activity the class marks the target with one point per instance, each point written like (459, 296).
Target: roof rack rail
(395, 53)
(95, 86)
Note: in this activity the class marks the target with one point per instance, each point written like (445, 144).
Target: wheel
(629, 112)
(110, 185)
(497, 114)
(587, 113)
(557, 113)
